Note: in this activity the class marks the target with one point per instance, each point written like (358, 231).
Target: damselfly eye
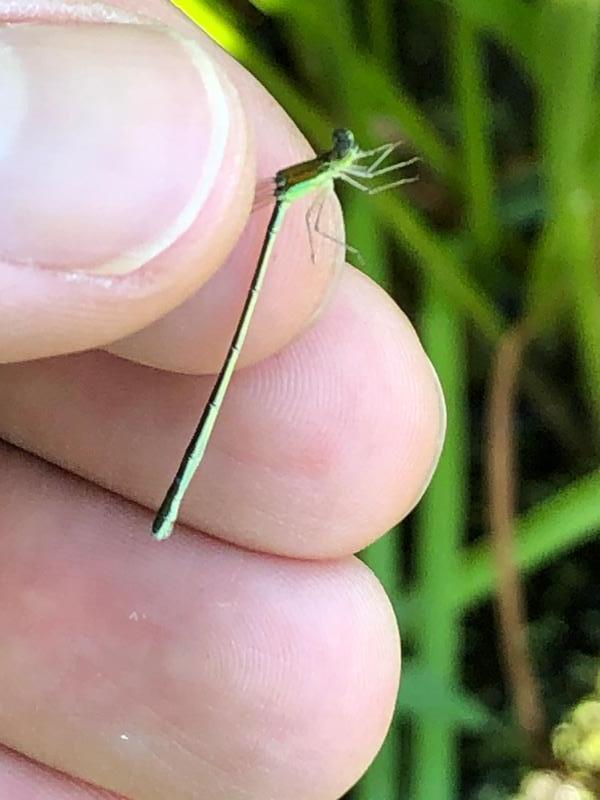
(343, 142)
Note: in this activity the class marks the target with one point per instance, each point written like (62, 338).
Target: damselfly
(345, 161)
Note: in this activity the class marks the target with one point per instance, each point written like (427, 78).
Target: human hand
(261, 661)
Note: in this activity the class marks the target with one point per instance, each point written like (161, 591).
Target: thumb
(125, 180)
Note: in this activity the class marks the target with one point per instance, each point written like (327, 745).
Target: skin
(252, 655)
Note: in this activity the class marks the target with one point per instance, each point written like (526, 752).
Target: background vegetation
(494, 256)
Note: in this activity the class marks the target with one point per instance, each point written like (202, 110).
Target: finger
(185, 339)
(317, 451)
(117, 188)
(193, 337)
(196, 670)
(22, 779)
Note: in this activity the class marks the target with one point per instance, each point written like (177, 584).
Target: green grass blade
(381, 37)
(511, 22)
(567, 60)
(425, 694)
(440, 263)
(440, 532)
(475, 124)
(571, 516)
(383, 556)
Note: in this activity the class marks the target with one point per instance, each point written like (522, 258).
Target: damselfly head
(343, 143)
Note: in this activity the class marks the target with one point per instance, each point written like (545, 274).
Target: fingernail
(112, 137)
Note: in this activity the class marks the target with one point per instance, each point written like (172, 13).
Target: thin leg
(364, 172)
(331, 238)
(392, 167)
(401, 182)
(358, 171)
(380, 149)
(372, 167)
(347, 179)
(318, 204)
(354, 250)
(318, 219)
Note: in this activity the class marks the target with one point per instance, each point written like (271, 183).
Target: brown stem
(502, 470)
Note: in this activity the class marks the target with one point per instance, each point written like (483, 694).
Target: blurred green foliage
(500, 100)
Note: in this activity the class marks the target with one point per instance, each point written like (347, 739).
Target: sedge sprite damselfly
(344, 162)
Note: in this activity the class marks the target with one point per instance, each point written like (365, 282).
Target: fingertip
(146, 200)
